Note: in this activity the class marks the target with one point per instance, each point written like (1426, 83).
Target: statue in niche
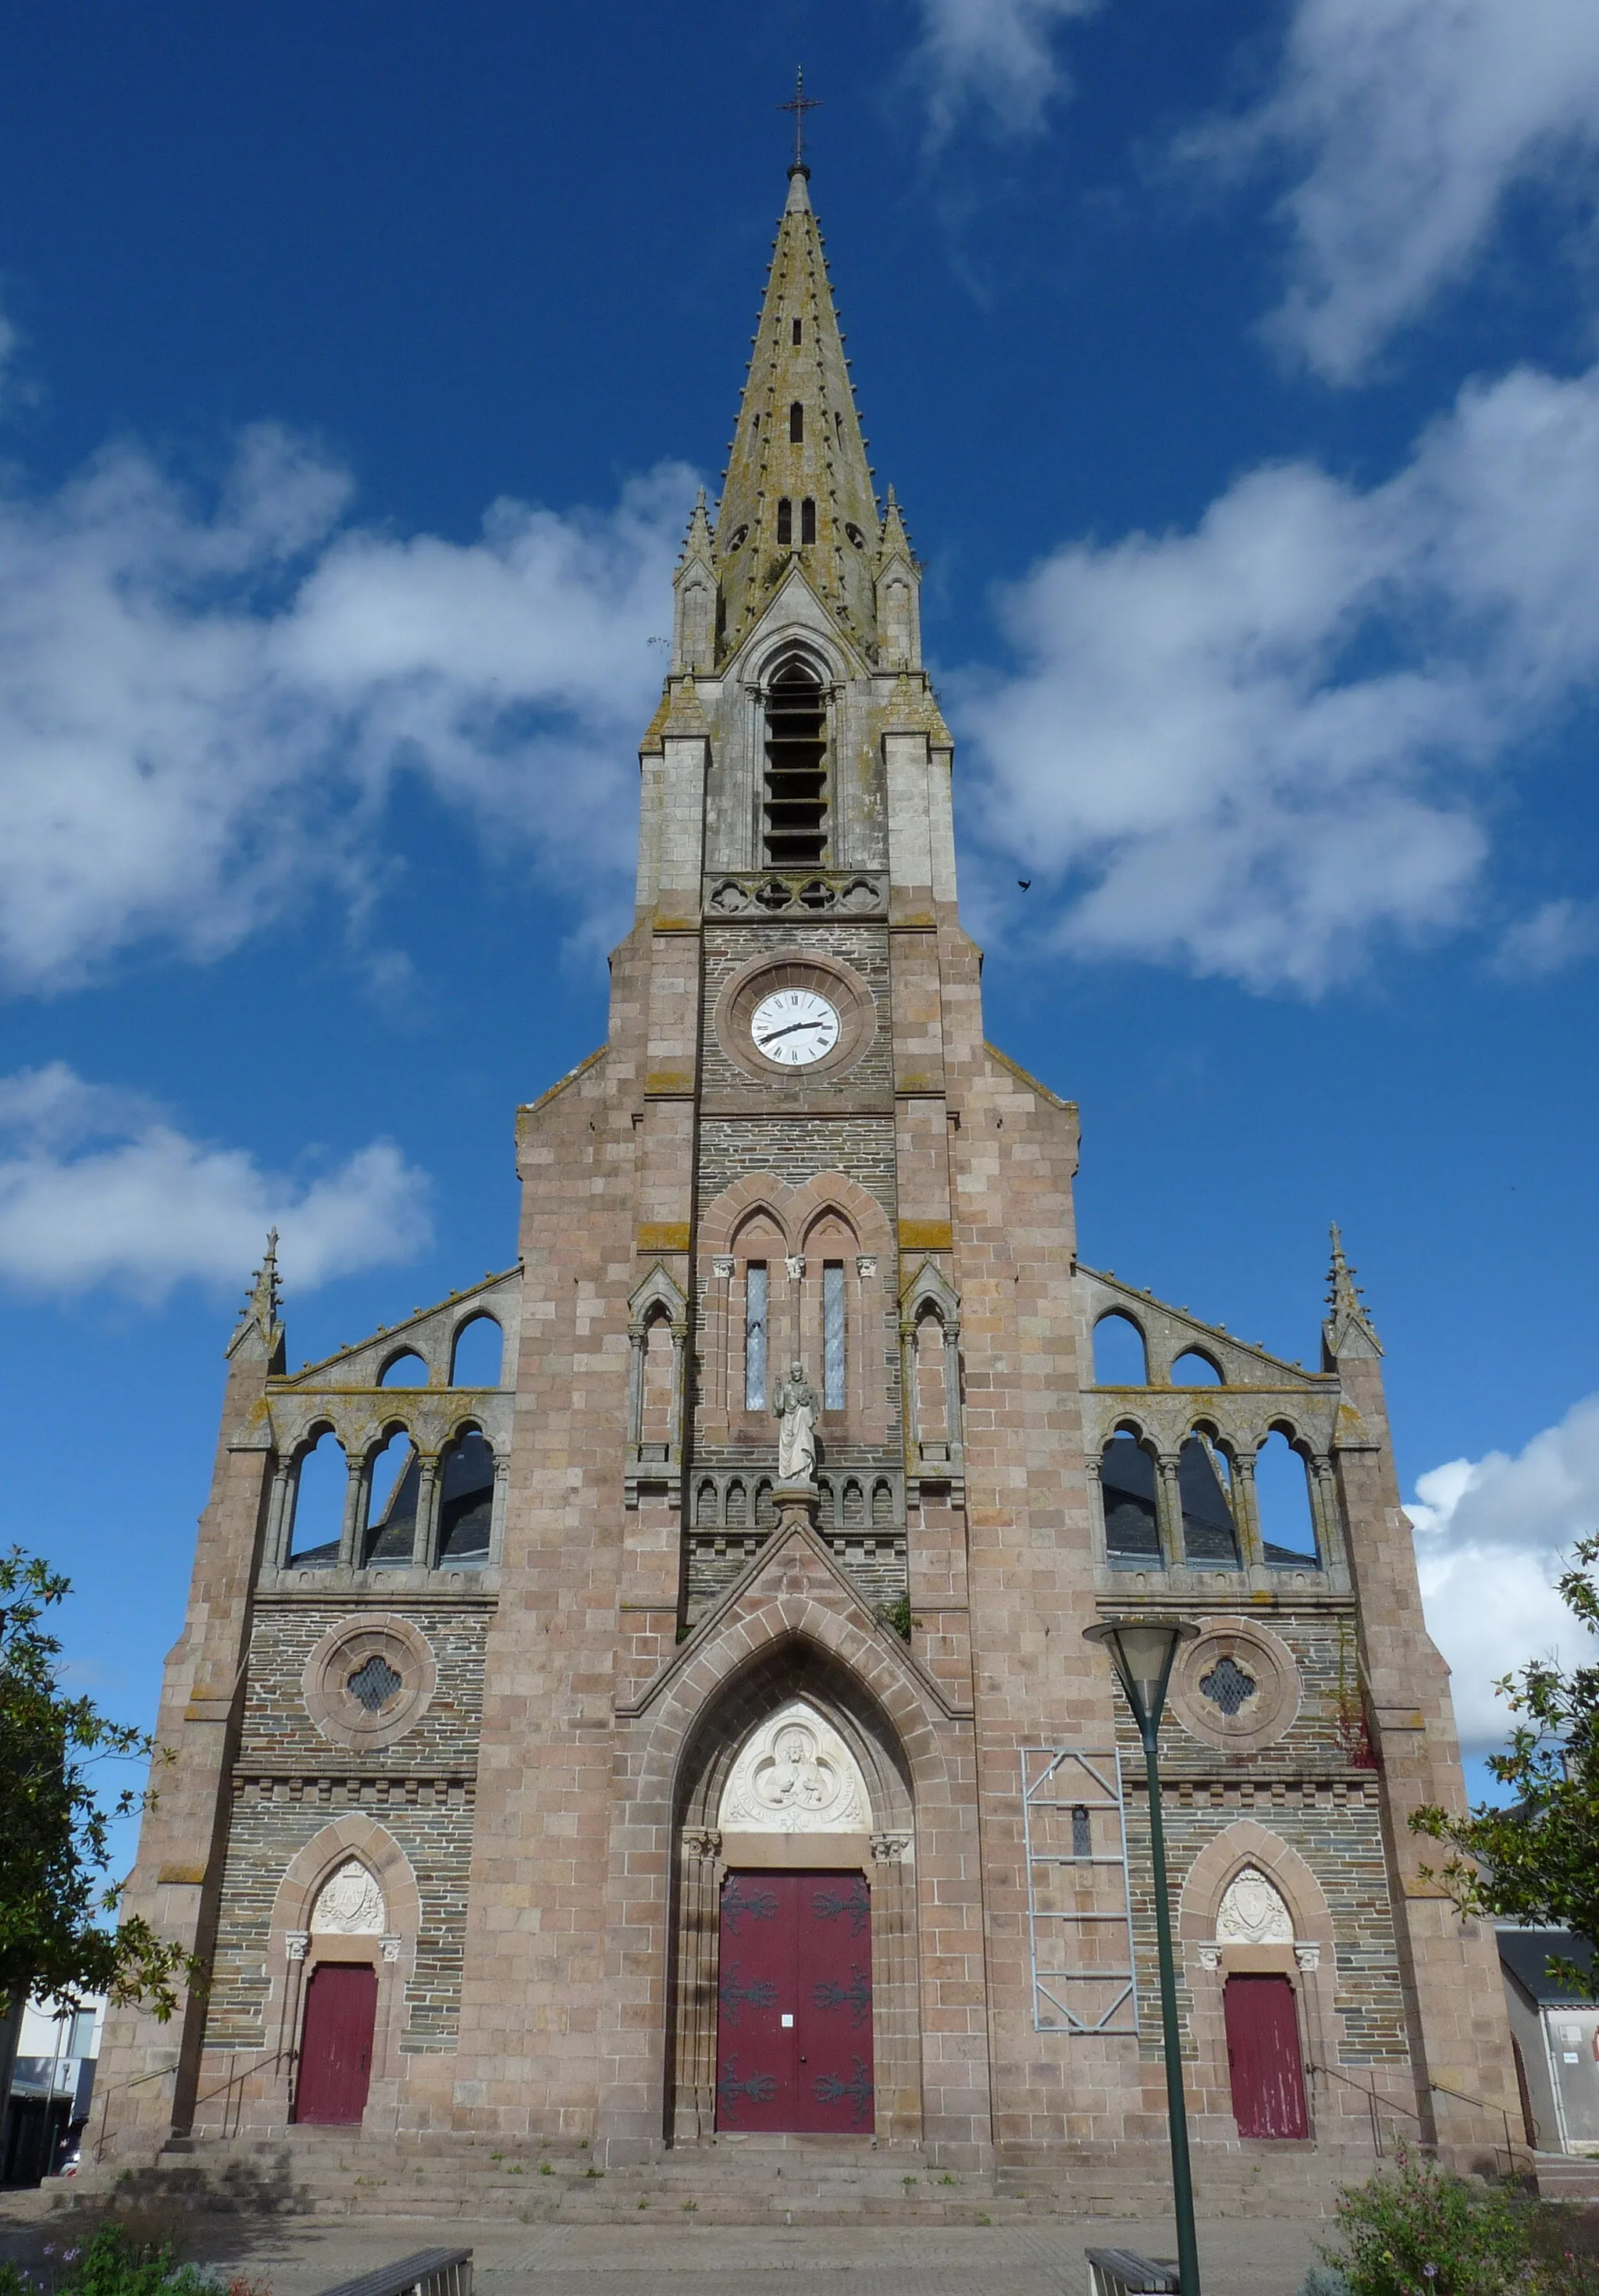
(796, 1404)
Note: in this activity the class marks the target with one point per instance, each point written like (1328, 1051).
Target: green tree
(53, 1830)
(1536, 1861)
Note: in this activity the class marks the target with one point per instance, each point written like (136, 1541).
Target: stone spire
(259, 1318)
(694, 596)
(1349, 1329)
(798, 441)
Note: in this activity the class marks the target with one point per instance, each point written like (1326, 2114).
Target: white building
(52, 2079)
(1555, 2034)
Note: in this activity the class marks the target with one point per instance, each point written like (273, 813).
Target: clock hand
(789, 1030)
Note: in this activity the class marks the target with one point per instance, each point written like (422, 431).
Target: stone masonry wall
(1336, 1828)
(290, 1780)
(273, 1819)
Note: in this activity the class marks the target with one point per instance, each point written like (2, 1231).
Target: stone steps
(1566, 2177)
(331, 2173)
(340, 2173)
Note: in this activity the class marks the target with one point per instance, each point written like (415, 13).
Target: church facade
(681, 1725)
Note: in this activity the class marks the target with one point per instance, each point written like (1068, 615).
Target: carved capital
(1308, 1956)
(795, 1265)
(889, 1849)
(865, 1264)
(296, 1943)
(702, 1841)
(1209, 1956)
(391, 1948)
(721, 1267)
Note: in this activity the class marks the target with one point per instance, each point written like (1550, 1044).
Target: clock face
(793, 1027)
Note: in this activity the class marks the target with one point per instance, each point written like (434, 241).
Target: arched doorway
(794, 1992)
(335, 2048)
(795, 2001)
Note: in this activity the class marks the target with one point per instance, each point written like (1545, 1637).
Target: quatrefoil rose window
(369, 1681)
(1237, 1686)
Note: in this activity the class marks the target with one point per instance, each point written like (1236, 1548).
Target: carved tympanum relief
(795, 1775)
(350, 1904)
(1253, 1912)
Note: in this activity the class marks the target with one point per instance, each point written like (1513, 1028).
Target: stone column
(424, 1548)
(1246, 1511)
(1168, 1509)
(355, 1510)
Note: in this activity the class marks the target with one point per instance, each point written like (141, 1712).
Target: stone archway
(749, 1798)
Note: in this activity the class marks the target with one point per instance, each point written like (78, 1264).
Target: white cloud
(1262, 749)
(1557, 934)
(200, 712)
(1407, 123)
(992, 56)
(97, 1187)
(1491, 1536)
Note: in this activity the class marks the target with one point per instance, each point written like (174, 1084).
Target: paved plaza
(300, 2257)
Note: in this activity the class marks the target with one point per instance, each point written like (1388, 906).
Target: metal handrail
(236, 2078)
(1439, 2088)
(134, 2080)
(1375, 2103)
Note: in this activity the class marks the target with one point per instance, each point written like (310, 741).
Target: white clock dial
(793, 1027)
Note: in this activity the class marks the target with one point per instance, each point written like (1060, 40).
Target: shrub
(110, 2263)
(1420, 2233)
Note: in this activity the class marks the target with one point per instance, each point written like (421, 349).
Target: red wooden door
(335, 2045)
(1263, 2057)
(795, 2023)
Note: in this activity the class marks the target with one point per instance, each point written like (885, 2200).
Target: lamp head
(1142, 1650)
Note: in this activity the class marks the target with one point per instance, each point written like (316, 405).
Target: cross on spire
(799, 104)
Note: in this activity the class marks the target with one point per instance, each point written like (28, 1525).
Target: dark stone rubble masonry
(431, 1819)
(289, 1781)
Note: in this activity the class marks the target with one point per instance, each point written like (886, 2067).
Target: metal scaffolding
(1078, 1907)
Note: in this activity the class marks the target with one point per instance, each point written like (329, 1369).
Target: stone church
(556, 1767)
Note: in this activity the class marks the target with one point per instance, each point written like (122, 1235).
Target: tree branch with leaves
(55, 1830)
(1536, 1861)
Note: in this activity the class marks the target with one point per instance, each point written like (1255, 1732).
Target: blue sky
(1237, 366)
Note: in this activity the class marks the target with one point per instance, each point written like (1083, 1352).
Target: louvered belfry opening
(796, 832)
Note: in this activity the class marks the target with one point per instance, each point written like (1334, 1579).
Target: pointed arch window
(796, 799)
(798, 332)
(797, 423)
(807, 521)
(833, 1335)
(785, 520)
(756, 1297)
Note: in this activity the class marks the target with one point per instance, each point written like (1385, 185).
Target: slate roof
(1525, 1953)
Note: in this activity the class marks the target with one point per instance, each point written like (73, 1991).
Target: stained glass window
(755, 1336)
(833, 1335)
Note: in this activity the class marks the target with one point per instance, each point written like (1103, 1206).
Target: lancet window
(394, 1486)
(465, 1502)
(1205, 1489)
(758, 1309)
(1126, 1479)
(834, 1391)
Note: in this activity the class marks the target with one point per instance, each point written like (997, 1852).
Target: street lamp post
(1142, 1650)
